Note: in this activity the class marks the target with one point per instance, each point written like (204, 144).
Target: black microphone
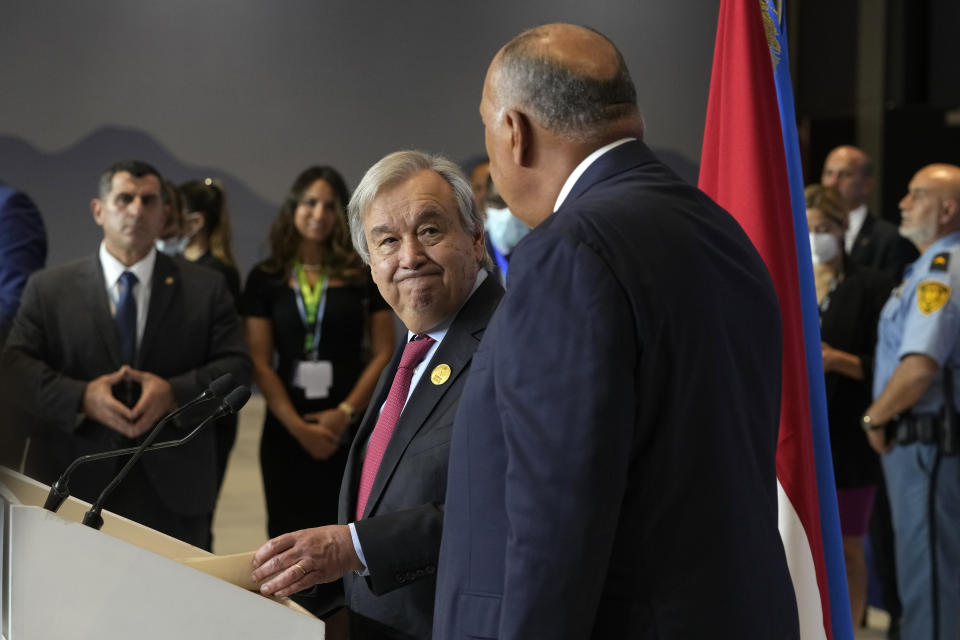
(60, 490)
(232, 403)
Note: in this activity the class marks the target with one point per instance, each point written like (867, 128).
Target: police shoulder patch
(940, 262)
(931, 296)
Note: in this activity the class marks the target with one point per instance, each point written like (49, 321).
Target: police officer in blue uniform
(917, 367)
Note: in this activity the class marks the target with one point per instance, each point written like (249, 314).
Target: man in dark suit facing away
(414, 220)
(103, 347)
(612, 468)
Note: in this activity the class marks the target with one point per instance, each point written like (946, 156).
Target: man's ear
(521, 136)
(96, 208)
(950, 210)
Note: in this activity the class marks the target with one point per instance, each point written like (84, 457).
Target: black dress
(230, 273)
(226, 433)
(302, 492)
(848, 322)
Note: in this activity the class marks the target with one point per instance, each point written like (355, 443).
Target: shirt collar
(942, 244)
(583, 166)
(855, 221)
(113, 268)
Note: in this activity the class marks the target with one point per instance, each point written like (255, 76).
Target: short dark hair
(564, 102)
(136, 168)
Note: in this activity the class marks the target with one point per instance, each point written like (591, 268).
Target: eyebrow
(427, 214)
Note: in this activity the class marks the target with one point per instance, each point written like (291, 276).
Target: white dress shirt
(854, 223)
(113, 269)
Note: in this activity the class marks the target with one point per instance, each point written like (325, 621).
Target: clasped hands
(156, 400)
(320, 433)
(296, 561)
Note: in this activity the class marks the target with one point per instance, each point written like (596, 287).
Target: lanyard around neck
(311, 303)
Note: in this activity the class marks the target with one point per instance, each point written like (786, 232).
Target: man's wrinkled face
(423, 261)
(131, 215)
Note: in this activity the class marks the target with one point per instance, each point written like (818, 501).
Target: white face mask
(824, 247)
(505, 230)
(173, 246)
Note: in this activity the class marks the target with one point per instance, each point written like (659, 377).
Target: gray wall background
(254, 91)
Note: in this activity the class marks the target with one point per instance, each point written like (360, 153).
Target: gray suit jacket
(402, 523)
(64, 336)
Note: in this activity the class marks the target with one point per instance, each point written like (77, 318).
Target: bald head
(931, 208)
(944, 178)
(850, 171)
(571, 80)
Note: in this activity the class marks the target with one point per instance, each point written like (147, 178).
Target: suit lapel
(95, 286)
(861, 243)
(165, 284)
(455, 351)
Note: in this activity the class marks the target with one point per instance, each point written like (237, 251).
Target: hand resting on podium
(296, 561)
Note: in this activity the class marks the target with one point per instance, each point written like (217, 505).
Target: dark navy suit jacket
(23, 250)
(880, 246)
(612, 468)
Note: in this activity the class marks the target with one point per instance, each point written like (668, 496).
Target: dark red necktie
(413, 354)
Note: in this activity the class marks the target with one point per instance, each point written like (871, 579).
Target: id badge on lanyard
(314, 376)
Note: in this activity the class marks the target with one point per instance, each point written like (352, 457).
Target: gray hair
(567, 103)
(398, 167)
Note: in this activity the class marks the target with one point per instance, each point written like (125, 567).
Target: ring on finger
(302, 570)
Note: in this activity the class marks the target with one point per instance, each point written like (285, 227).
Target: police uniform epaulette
(940, 262)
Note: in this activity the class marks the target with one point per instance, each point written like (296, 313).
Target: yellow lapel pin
(441, 373)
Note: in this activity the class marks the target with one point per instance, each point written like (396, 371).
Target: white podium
(64, 580)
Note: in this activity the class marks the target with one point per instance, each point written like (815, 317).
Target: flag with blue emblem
(751, 166)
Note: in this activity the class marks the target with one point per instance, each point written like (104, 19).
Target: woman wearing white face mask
(850, 299)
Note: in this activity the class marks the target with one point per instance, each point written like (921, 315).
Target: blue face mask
(505, 230)
(173, 246)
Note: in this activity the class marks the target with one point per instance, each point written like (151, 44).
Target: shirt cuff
(359, 550)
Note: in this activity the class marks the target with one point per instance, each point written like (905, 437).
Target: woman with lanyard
(850, 299)
(311, 315)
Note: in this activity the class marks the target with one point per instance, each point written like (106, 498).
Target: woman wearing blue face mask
(850, 299)
(503, 230)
